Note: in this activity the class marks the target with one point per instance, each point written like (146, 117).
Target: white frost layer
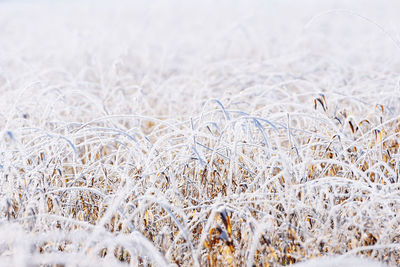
(144, 125)
(340, 262)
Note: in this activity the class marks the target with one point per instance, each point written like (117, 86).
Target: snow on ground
(202, 133)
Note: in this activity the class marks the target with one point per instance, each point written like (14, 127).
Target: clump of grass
(150, 150)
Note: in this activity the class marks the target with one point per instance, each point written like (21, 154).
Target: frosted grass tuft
(199, 133)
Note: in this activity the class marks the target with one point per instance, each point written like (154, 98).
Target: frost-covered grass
(339, 261)
(198, 133)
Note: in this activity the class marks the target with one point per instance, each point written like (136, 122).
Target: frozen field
(199, 133)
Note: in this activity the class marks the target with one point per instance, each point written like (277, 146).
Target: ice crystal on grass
(198, 133)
